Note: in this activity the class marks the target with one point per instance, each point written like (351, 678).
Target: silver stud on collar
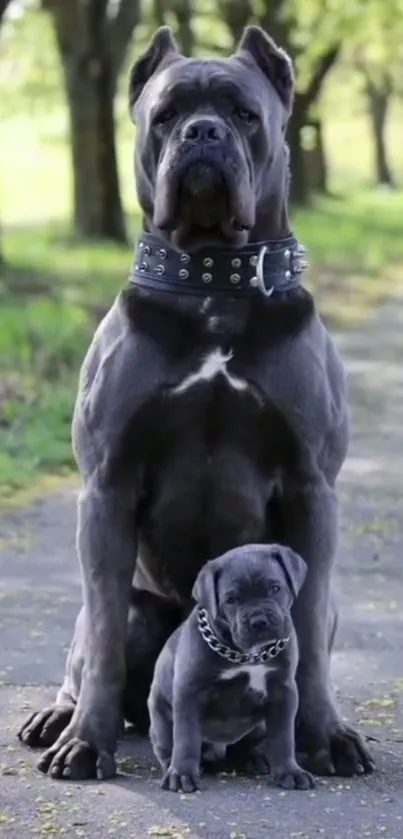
(253, 260)
(183, 273)
(287, 275)
(184, 257)
(147, 250)
(287, 255)
(236, 263)
(162, 253)
(207, 277)
(159, 269)
(254, 281)
(208, 262)
(143, 266)
(235, 278)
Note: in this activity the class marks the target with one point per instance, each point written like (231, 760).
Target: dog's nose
(259, 623)
(204, 131)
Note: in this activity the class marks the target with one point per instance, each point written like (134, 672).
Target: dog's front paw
(85, 749)
(178, 780)
(332, 748)
(73, 759)
(294, 778)
(43, 728)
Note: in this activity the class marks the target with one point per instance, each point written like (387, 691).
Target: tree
(180, 14)
(3, 8)
(93, 37)
(376, 51)
(303, 34)
(378, 92)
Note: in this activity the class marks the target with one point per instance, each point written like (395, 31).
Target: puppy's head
(249, 592)
(210, 138)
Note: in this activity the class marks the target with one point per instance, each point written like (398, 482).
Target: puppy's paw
(294, 778)
(176, 780)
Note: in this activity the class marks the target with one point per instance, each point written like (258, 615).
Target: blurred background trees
(92, 39)
(78, 49)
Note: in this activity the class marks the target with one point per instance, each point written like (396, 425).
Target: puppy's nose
(259, 623)
(204, 131)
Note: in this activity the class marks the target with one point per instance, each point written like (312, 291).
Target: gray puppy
(228, 672)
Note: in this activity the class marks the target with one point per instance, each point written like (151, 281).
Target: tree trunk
(183, 12)
(3, 8)
(315, 159)
(378, 101)
(90, 87)
(299, 192)
(92, 44)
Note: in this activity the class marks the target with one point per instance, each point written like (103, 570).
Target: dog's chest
(254, 677)
(213, 364)
(237, 702)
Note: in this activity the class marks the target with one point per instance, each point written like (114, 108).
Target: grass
(56, 288)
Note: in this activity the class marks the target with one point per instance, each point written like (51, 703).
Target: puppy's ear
(271, 60)
(293, 566)
(161, 47)
(205, 588)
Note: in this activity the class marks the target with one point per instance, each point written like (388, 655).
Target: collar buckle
(260, 273)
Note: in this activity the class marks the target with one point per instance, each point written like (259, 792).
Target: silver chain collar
(235, 657)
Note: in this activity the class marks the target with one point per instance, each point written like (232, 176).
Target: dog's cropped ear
(205, 588)
(293, 566)
(271, 60)
(161, 47)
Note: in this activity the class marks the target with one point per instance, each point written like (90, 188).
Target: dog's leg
(107, 552)
(310, 528)
(183, 772)
(247, 756)
(161, 729)
(43, 728)
(280, 744)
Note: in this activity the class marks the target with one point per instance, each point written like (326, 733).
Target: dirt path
(39, 597)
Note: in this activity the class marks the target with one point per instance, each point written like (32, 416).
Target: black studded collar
(269, 268)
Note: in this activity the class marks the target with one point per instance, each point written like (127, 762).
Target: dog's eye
(275, 588)
(165, 116)
(230, 599)
(245, 115)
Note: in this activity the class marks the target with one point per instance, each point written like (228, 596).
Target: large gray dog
(227, 674)
(212, 406)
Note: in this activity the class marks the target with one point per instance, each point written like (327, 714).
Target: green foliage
(49, 308)
(30, 73)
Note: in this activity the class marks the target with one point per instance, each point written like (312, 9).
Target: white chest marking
(257, 675)
(213, 364)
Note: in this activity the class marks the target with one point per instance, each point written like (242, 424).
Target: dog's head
(210, 150)
(249, 591)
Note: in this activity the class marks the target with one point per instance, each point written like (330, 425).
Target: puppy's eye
(230, 599)
(245, 115)
(275, 588)
(165, 116)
